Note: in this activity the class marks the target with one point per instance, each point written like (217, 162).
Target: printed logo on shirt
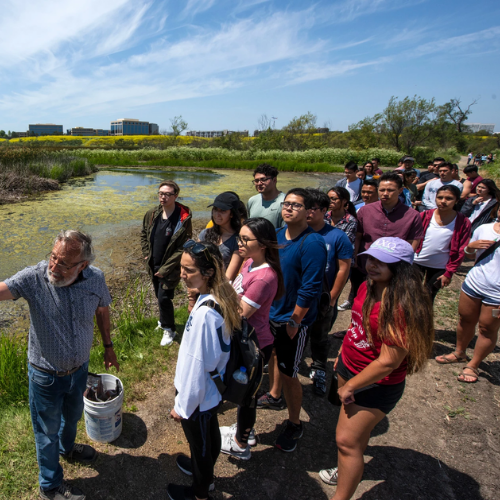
(385, 245)
(356, 333)
(189, 323)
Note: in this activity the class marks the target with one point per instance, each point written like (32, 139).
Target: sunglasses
(197, 248)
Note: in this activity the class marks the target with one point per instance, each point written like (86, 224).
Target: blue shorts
(485, 299)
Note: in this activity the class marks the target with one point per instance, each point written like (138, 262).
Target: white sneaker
(168, 337)
(226, 430)
(230, 447)
(329, 476)
(345, 306)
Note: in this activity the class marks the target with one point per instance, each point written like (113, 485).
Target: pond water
(108, 202)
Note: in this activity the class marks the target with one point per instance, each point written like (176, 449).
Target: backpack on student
(245, 352)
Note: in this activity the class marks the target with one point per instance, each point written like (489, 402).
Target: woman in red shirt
(390, 336)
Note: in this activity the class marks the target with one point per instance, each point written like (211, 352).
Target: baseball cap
(408, 158)
(226, 201)
(391, 250)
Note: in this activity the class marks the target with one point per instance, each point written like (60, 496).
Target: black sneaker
(287, 440)
(179, 492)
(82, 453)
(63, 492)
(184, 464)
(267, 401)
(319, 383)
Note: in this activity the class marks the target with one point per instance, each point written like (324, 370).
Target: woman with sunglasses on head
(259, 283)
(205, 347)
(390, 336)
(226, 218)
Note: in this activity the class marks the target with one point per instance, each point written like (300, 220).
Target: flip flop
(461, 378)
(449, 361)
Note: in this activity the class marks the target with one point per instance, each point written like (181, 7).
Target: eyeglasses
(161, 194)
(261, 180)
(64, 268)
(197, 248)
(293, 206)
(244, 241)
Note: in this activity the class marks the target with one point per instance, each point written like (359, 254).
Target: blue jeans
(56, 405)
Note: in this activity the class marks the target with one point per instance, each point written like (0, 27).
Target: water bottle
(241, 375)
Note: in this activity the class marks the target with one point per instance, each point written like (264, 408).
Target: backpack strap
(213, 305)
(487, 252)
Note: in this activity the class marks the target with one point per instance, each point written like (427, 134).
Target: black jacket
(485, 217)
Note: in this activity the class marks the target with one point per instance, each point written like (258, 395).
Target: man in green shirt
(267, 203)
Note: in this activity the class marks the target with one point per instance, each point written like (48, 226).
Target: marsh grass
(137, 346)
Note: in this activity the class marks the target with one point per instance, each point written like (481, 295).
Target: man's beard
(60, 283)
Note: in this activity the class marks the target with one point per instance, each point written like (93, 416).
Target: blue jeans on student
(56, 405)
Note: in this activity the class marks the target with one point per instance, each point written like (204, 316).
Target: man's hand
(174, 415)
(158, 275)
(291, 331)
(110, 359)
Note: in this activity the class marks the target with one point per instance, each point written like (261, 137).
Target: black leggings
(247, 416)
(203, 435)
(430, 277)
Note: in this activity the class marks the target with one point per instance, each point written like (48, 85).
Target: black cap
(226, 201)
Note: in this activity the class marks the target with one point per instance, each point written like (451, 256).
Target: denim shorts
(485, 299)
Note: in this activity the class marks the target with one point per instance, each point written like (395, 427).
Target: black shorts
(288, 351)
(381, 397)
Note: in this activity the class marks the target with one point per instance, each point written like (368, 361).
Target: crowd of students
(397, 236)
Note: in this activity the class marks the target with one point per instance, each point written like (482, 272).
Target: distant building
(130, 126)
(476, 127)
(20, 134)
(45, 129)
(83, 131)
(153, 129)
(215, 133)
(322, 130)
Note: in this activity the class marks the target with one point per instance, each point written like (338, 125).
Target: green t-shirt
(270, 210)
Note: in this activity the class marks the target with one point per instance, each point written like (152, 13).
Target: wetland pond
(110, 203)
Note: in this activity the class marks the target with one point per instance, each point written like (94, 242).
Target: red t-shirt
(257, 286)
(357, 353)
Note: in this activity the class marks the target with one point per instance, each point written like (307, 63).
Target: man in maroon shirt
(388, 217)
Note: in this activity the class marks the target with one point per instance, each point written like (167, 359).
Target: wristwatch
(293, 323)
(107, 346)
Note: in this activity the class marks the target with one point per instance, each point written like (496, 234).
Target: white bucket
(103, 421)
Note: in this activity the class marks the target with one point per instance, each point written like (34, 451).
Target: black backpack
(245, 352)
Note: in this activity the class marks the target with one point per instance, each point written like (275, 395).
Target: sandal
(448, 361)
(461, 378)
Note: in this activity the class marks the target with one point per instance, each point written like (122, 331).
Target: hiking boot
(329, 476)
(267, 401)
(319, 383)
(345, 306)
(229, 447)
(63, 492)
(168, 337)
(82, 453)
(179, 492)
(252, 440)
(184, 464)
(291, 433)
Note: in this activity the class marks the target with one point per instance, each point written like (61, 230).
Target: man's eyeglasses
(64, 268)
(244, 241)
(293, 206)
(197, 248)
(262, 180)
(165, 195)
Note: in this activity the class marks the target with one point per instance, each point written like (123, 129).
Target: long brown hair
(406, 316)
(265, 233)
(218, 285)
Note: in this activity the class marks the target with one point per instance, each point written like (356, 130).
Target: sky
(222, 64)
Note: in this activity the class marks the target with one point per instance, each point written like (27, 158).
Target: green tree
(2, 133)
(177, 126)
(408, 123)
(455, 112)
(364, 134)
(299, 132)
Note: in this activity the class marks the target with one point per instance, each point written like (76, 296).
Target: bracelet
(470, 253)
(107, 346)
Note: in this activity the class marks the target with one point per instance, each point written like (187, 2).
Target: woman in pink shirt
(259, 283)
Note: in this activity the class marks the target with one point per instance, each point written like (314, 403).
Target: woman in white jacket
(205, 347)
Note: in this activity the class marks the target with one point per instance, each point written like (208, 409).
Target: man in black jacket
(165, 229)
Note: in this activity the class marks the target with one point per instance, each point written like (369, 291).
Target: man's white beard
(61, 283)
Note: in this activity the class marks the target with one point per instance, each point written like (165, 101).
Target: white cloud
(195, 7)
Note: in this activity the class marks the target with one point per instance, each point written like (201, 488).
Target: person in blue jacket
(303, 257)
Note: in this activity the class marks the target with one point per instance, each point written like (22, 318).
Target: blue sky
(222, 64)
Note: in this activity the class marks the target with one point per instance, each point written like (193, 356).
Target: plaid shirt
(348, 224)
(62, 318)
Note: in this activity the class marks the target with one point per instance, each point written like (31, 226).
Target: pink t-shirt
(257, 287)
